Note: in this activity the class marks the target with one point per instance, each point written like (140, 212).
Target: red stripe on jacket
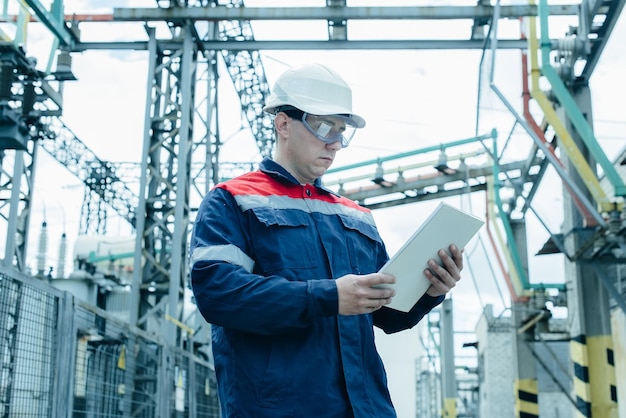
(261, 184)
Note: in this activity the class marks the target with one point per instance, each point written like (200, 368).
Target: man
(284, 270)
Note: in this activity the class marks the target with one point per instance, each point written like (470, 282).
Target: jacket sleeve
(226, 291)
(391, 320)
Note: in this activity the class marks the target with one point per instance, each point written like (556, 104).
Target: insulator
(400, 180)
(29, 98)
(42, 249)
(567, 44)
(572, 47)
(64, 61)
(380, 173)
(6, 80)
(540, 299)
(62, 256)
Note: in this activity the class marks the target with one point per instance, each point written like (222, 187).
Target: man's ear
(281, 121)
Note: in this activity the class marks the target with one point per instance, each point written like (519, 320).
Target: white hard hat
(314, 89)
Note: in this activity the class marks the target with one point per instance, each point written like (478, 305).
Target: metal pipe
(578, 120)
(568, 144)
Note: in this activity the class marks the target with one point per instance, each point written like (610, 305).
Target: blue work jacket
(265, 251)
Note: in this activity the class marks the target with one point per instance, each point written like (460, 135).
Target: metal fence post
(63, 393)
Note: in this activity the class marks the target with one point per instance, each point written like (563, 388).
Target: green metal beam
(53, 19)
(442, 146)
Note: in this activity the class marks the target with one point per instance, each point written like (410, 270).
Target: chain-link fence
(61, 357)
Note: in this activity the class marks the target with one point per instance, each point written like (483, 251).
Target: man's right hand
(357, 294)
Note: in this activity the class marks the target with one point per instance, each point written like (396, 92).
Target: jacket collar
(272, 168)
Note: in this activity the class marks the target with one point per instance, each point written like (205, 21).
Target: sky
(410, 99)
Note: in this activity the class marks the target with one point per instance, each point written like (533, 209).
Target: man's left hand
(444, 277)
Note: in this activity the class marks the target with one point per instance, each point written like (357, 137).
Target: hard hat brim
(358, 120)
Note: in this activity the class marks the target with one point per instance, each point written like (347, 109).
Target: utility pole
(525, 385)
(448, 377)
(591, 344)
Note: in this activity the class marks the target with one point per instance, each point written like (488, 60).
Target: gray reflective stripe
(247, 202)
(229, 253)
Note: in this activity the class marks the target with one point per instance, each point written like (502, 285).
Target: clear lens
(329, 129)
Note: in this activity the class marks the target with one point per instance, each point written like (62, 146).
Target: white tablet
(446, 225)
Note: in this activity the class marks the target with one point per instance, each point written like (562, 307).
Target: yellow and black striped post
(582, 391)
(602, 376)
(448, 375)
(594, 376)
(526, 398)
(449, 408)
(588, 299)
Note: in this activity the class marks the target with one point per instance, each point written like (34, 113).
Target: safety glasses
(327, 128)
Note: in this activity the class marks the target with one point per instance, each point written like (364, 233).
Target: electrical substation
(116, 334)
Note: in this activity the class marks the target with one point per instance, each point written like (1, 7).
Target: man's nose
(334, 145)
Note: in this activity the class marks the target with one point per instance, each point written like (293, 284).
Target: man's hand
(357, 296)
(444, 278)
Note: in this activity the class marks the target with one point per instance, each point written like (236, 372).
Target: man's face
(304, 155)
